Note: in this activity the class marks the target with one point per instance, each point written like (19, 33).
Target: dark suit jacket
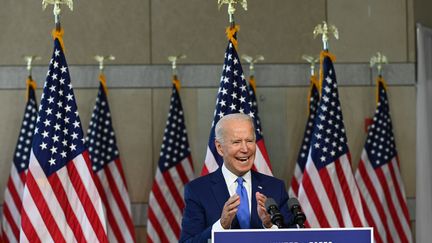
(206, 196)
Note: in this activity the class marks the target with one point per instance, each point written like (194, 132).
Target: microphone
(275, 215)
(299, 216)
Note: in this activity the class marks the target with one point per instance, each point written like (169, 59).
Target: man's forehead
(237, 123)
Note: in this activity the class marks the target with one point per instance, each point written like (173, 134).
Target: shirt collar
(231, 178)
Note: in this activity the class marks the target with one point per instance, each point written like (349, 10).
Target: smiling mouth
(243, 159)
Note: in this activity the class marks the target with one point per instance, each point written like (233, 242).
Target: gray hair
(219, 128)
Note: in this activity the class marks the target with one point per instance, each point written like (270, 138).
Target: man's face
(238, 146)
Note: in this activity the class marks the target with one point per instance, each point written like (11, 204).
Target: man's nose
(244, 147)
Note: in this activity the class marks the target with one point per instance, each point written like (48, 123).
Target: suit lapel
(256, 187)
(219, 188)
(221, 194)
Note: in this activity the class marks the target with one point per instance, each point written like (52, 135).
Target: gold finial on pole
(173, 60)
(231, 8)
(29, 60)
(101, 59)
(325, 30)
(57, 9)
(378, 60)
(251, 62)
(312, 61)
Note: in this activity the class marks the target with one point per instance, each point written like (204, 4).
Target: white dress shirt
(231, 182)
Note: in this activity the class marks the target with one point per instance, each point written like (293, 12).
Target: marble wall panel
(94, 27)
(280, 30)
(366, 27)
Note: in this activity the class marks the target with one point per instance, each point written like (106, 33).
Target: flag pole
(312, 61)
(313, 78)
(30, 82)
(29, 60)
(379, 60)
(57, 10)
(252, 61)
(101, 59)
(325, 30)
(173, 60)
(57, 32)
(231, 8)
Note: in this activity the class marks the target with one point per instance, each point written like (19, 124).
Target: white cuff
(217, 226)
(272, 227)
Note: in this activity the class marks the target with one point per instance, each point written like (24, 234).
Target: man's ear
(219, 147)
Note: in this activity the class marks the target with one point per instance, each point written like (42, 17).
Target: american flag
(60, 201)
(313, 99)
(233, 97)
(254, 106)
(328, 192)
(12, 206)
(106, 164)
(174, 170)
(379, 178)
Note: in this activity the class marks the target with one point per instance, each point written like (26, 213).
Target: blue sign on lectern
(331, 235)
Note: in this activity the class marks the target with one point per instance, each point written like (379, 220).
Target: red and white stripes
(113, 190)
(330, 197)
(383, 199)
(65, 207)
(12, 206)
(166, 202)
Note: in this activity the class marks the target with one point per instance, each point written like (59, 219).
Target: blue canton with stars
(101, 140)
(233, 96)
(24, 144)
(175, 145)
(254, 108)
(329, 140)
(380, 143)
(304, 149)
(58, 135)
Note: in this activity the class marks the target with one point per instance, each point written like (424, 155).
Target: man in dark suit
(233, 196)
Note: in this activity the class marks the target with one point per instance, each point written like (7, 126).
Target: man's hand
(262, 212)
(229, 211)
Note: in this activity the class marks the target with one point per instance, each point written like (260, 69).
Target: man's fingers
(261, 199)
(231, 204)
(232, 199)
(260, 196)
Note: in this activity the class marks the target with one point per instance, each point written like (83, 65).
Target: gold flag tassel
(57, 33)
(101, 59)
(173, 60)
(230, 33)
(380, 80)
(30, 83)
(102, 80)
(176, 82)
(323, 54)
(379, 60)
(313, 81)
(252, 61)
